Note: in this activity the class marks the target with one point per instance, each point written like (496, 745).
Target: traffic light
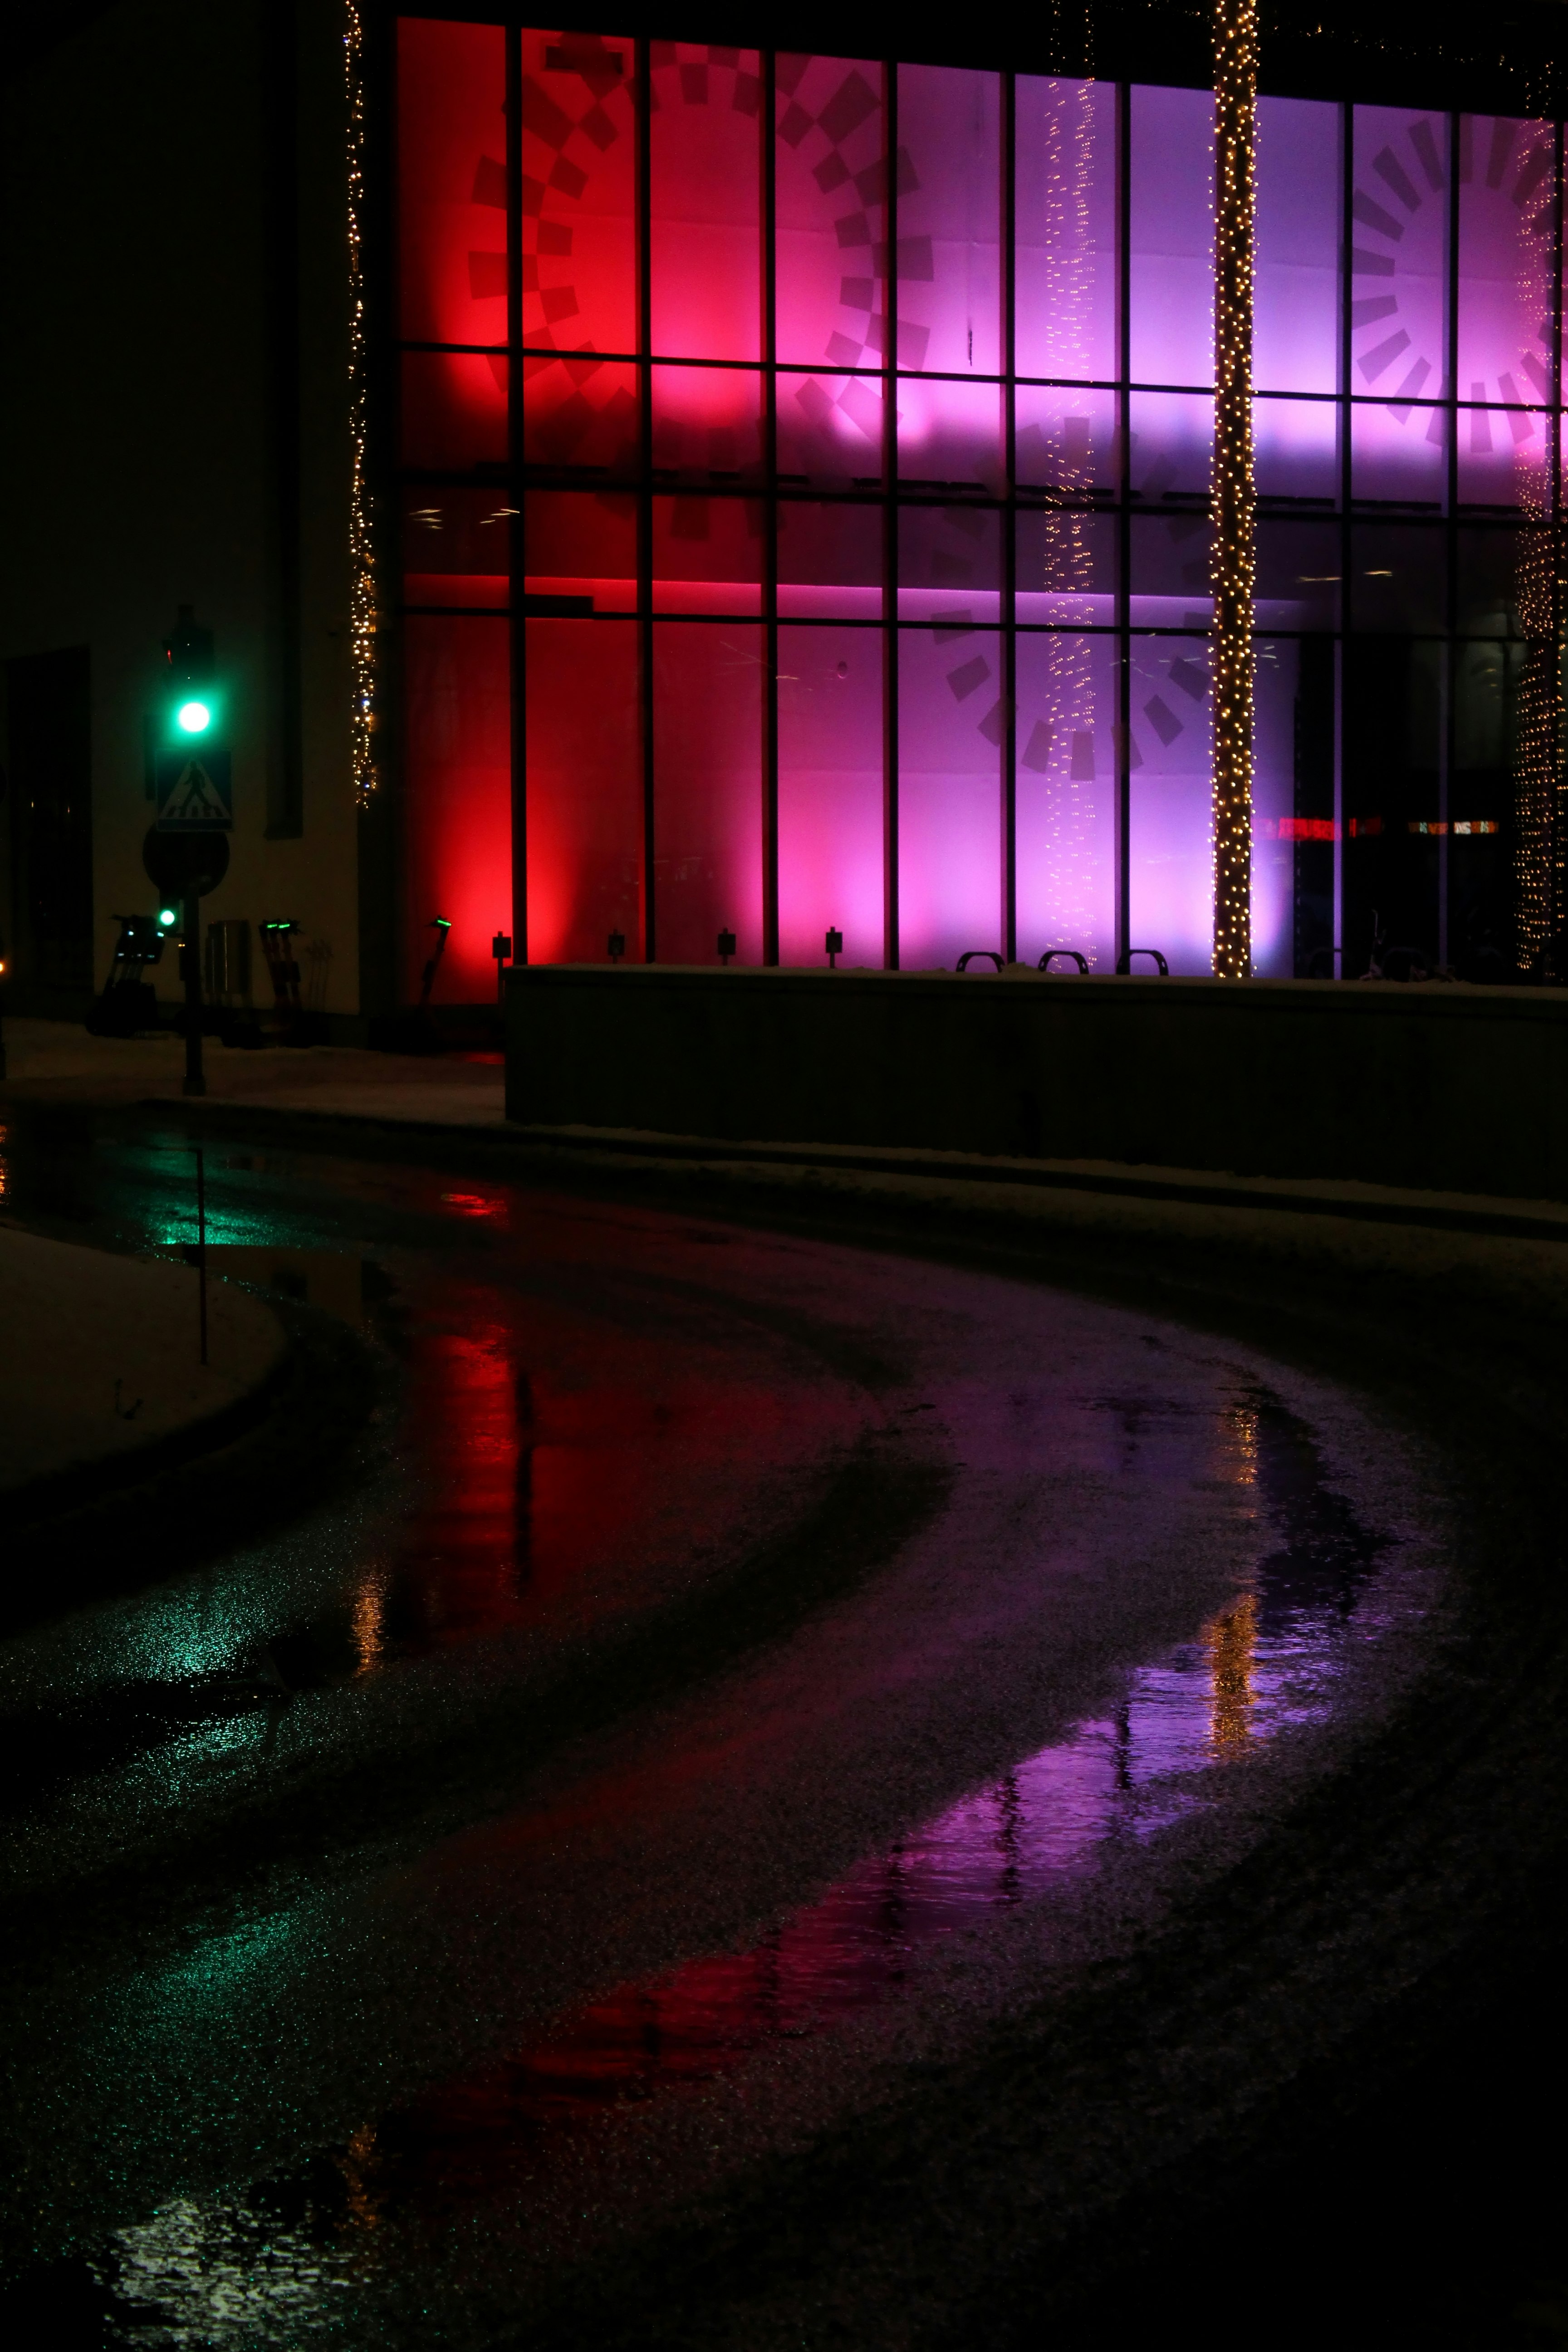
(189, 696)
(191, 768)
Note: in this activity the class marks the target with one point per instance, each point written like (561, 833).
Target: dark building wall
(173, 421)
(1451, 1088)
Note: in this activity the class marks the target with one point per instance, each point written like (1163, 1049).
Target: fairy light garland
(1537, 752)
(1068, 811)
(1233, 496)
(362, 563)
(1539, 738)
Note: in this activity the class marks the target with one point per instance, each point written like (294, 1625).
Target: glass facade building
(804, 468)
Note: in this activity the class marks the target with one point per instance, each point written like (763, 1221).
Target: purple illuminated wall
(866, 577)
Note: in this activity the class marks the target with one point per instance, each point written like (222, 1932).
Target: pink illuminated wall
(706, 187)
(830, 793)
(1067, 796)
(950, 794)
(708, 788)
(821, 610)
(584, 791)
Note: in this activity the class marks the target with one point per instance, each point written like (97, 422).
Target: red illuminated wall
(457, 830)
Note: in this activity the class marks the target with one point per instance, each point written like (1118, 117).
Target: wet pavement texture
(744, 1670)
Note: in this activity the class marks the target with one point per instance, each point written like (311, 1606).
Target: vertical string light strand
(361, 564)
(1068, 567)
(1233, 501)
(1539, 710)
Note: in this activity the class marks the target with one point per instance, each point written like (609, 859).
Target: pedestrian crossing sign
(195, 791)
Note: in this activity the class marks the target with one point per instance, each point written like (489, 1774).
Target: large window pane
(457, 805)
(830, 562)
(1507, 190)
(1065, 263)
(454, 409)
(950, 433)
(952, 727)
(1171, 293)
(1296, 329)
(831, 793)
(451, 178)
(457, 547)
(581, 416)
(950, 565)
(584, 791)
(1311, 824)
(1498, 571)
(831, 211)
(1494, 688)
(950, 220)
(1504, 461)
(1065, 439)
(1398, 259)
(708, 422)
(1066, 797)
(705, 171)
(830, 430)
(1172, 451)
(1171, 854)
(1296, 451)
(1067, 567)
(1392, 753)
(1297, 574)
(582, 544)
(1397, 578)
(1399, 456)
(1172, 571)
(579, 245)
(707, 554)
(708, 788)
(1276, 715)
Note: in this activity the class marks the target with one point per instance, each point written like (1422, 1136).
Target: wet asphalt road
(742, 1671)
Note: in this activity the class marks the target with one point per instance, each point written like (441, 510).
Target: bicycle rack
(969, 955)
(1044, 962)
(1124, 961)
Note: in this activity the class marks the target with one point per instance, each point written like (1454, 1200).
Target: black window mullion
(645, 485)
(1010, 524)
(770, 519)
(1347, 484)
(890, 534)
(516, 626)
(1123, 736)
(1558, 909)
(1450, 546)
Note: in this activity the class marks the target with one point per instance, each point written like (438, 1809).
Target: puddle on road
(334, 1280)
(281, 2263)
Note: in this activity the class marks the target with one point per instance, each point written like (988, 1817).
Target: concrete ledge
(1447, 1088)
(101, 1360)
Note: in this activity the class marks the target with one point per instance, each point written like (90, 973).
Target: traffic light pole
(195, 1082)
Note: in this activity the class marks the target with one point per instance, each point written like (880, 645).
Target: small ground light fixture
(617, 944)
(726, 945)
(834, 943)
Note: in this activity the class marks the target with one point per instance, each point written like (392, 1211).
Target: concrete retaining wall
(1448, 1088)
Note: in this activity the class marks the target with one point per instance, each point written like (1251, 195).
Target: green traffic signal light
(195, 717)
(168, 917)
